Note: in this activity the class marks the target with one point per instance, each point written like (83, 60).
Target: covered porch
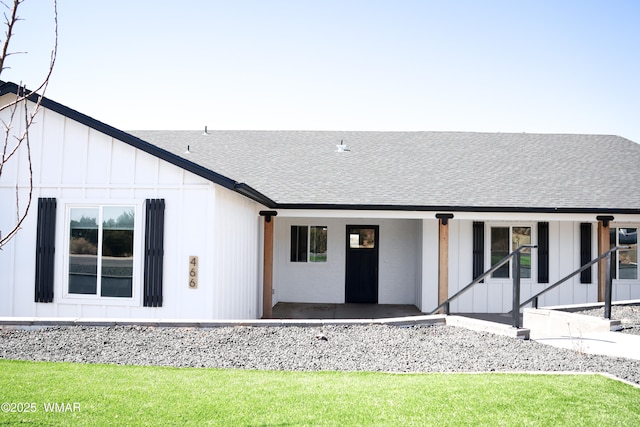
(396, 258)
(293, 310)
(334, 259)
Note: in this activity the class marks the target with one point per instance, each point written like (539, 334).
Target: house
(225, 224)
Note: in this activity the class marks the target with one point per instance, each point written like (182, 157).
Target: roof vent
(342, 147)
(205, 131)
(188, 150)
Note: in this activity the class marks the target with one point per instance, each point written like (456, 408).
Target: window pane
(299, 243)
(500, 249)
(522, 236)
(117, 252)
(363, 238)
(628, 258)
(83, 251)
(318, 244)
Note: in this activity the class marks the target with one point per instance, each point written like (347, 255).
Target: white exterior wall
(238, 258)
(324, 282)
(495, 295)
(78, 165)
(399, 261)
(428, 288)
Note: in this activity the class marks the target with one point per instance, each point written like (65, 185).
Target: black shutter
(153, 252)
(543, 252)
(478, 249)
(585, 251)
(45, 249)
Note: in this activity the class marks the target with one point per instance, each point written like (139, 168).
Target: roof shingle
(421, 169)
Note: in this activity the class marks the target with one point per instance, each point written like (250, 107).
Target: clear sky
(550, 66)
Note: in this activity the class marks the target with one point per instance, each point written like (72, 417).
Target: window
(362, 238)
(101, 241)
(318, 244)
(505, 240)
(308, 243)
(625, 260)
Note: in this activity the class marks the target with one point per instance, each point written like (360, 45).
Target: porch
(293, 310)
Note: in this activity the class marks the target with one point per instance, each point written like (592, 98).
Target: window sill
(95, 300)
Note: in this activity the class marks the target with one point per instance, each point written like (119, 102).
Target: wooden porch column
(603, 246)
(443, 256)
(267, 279)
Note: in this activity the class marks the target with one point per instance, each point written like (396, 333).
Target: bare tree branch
(9, 22)
(17, 139)
(7, 135)
(54, 52)
(21, 215)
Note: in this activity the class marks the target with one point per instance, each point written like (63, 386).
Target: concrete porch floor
(293, 310)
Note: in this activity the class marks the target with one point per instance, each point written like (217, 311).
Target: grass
(133, 395)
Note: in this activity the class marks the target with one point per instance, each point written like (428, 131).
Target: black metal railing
(608, 281)
(516, 304)
(516, 283)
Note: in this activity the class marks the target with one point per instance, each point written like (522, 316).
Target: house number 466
(193, 272)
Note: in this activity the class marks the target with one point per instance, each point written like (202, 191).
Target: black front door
(361, 282)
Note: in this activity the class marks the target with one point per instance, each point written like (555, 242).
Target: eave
(443, 208)
(239, 187)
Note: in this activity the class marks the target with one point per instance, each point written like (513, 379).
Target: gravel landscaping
(347, 348)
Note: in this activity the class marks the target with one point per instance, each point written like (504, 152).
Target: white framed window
(625, 260)
(102, 251)
(504, 239)
(308, 243)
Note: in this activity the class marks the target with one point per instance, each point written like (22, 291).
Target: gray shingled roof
(421, 169)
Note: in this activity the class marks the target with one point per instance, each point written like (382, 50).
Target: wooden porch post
(443, 256)
(603, 246)
(267, 287)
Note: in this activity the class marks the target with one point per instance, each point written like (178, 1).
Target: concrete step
(549, 323)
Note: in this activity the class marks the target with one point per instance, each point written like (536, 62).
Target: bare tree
(18, 115)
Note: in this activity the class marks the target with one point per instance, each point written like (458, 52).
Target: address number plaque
(193, 272)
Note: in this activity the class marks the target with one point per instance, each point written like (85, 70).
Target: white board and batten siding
(495, 295)
(78, 165)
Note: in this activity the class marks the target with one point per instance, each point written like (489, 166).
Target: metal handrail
(534, 299)
(480, 278)
(516, 304)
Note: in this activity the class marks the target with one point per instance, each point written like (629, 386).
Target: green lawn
(129, 395)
